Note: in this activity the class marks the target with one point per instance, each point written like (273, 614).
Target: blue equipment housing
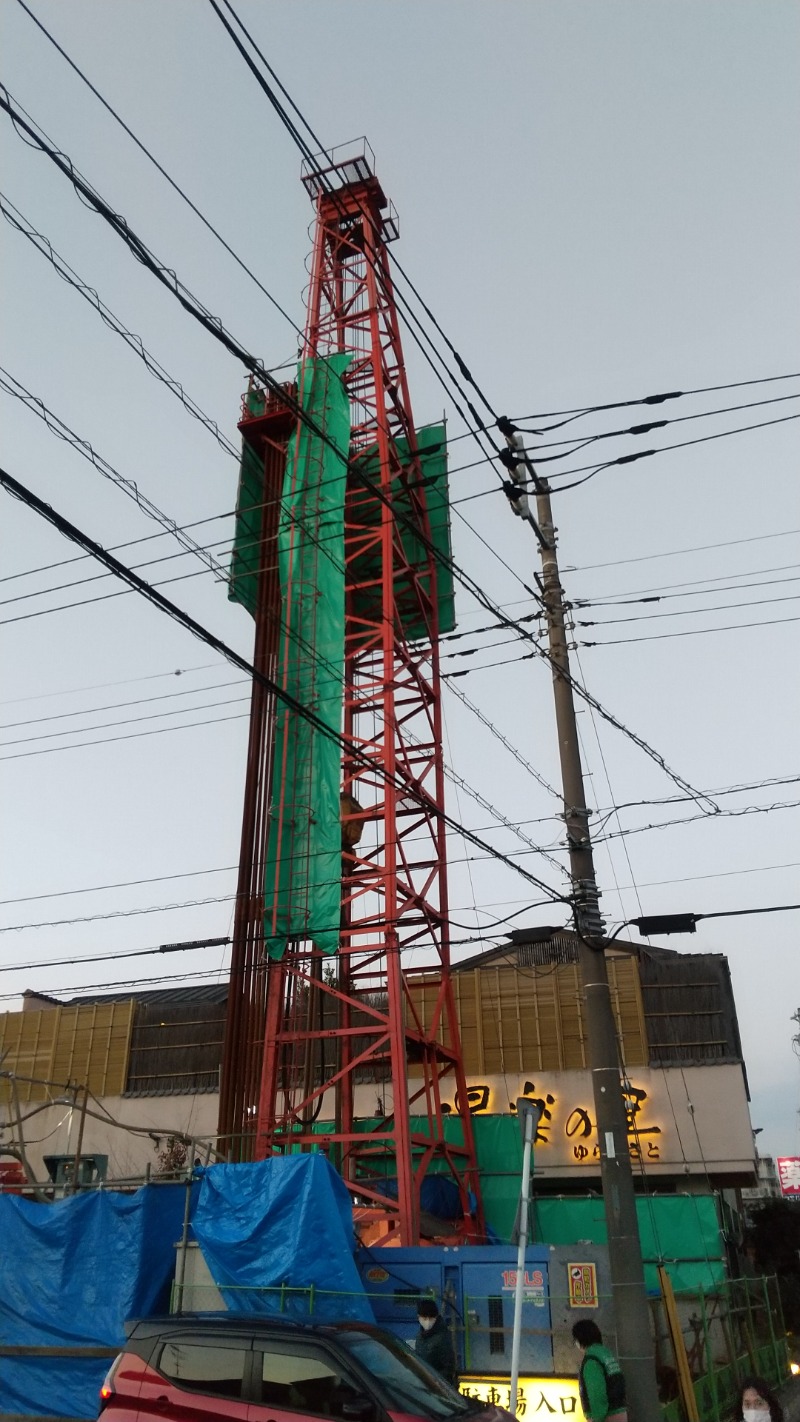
(475, 1287)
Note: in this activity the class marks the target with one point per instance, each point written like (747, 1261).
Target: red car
(195, 1367)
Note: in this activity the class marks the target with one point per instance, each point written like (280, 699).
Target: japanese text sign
(788, 1167)
(536, 1397)
(583, 1286)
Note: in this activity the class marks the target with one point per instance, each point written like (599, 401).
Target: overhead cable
(104, 685)
(322, 150)
(214, 326)
(691, 632)
(679, 552)
(203, 634)
(176, 188)
(660, 399)
(689, 611)
(695, 587)
(647, 428)
(662, 449)
(69, 275)
(127, 486)
(119, 705)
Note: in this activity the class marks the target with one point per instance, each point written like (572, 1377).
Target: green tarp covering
(432, 447)
(303, 868)
(243, 586)
(683, 1231)
(302, 884)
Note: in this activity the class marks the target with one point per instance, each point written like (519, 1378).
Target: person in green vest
(433, 1342)
(600, 1380)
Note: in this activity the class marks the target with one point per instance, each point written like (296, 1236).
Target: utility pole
(631, 1312)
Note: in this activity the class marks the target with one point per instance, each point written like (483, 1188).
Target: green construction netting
(682, 1231)
(432, 447)
(243, 585)
(302, 882)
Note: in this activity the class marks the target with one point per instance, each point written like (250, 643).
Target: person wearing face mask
(433, 1343)
(757, 1402)
(600, 1380)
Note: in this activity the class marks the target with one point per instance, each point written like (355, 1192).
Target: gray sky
(599, 202)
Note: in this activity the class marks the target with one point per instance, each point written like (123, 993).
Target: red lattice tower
(377, 1020)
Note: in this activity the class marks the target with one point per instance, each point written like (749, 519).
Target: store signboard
(788, 1167)
(583, 1286)
(540, 1397)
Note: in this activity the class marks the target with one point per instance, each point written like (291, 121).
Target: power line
(177, 614)
(697, 587)
(119, 913)
(579, 602)
(451, 774)
(89, 601)
(740, 913)
(125, 721)
(106, 105)
(67, 273)
(309, 156)
(614, 810)
(652, 399)
(120, 705)
(718, 792)
(594, 469)
(487, 666)
(122, 884)
(92, 988)
(214, 326)
(128, 736)
(663, 449)
(678, 552)
(114, 548)
(735, 813)
(87, 991)
(722, 874)
(690, 611)
(128, 486)
(449, 771)
(102, 685)
(498, 735)
(188, 904)
(47, 415)
(602, 814)
(221, 544)
(691, 632)
(649, 427)
(113, 957)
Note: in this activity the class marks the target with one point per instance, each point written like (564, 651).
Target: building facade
(133, 1082)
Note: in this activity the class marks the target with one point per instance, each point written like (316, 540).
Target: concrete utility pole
(631, 1312)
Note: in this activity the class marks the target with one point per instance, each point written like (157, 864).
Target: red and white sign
(789, 1174)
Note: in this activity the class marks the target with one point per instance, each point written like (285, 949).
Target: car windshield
(407, 1384)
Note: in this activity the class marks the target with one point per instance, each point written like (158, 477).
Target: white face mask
(755, 1414)
(427, 1324)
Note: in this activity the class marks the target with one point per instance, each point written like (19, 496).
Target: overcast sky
(599, 202)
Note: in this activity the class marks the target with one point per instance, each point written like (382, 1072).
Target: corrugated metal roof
(191, 992)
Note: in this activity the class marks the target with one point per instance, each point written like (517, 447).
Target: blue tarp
(72, 1272)
(70, 1275)
(286, 1221)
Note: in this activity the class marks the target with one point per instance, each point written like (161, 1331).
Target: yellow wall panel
(523, 1020)
(86, 1044)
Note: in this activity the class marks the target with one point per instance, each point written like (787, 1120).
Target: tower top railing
(346, 166)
